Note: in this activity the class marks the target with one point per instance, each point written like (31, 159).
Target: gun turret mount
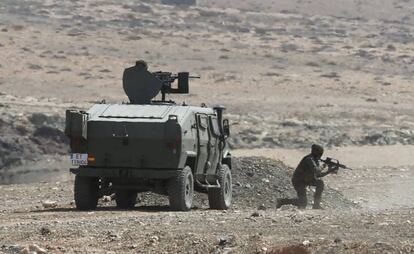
(141, 86)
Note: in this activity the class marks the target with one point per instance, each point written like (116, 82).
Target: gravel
(257, 183)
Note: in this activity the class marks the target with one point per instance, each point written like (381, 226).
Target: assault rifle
(334, 164)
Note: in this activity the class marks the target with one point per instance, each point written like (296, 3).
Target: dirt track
(147, 231)
(150, 229)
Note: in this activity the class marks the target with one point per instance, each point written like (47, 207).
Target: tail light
(91, 158)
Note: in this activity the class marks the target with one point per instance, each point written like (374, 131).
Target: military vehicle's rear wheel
(86, 192)
(220, 198)
(125, 199)
(181, 190)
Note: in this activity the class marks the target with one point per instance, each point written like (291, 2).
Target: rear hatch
(134, 136)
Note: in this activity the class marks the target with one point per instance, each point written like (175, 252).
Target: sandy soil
(290, 73)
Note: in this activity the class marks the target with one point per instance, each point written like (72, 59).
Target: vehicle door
(203, 152)
(214, 152)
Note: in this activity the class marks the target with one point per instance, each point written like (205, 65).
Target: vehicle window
(202, 121)
(214, 126)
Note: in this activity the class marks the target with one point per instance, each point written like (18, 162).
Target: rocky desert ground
(291, 73)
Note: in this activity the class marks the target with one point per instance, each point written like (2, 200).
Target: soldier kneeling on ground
(308, 173)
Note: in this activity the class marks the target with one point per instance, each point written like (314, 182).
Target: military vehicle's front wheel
(220, 198)
(86, 192)
(125, 199)
(181, 190)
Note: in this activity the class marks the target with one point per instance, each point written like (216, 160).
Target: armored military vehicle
(150, 145)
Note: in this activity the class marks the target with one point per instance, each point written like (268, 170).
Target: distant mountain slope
(392, 10)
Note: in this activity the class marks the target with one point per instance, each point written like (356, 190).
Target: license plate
(79, 159)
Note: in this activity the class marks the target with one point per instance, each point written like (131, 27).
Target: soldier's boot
(317, 204)
(280, 202)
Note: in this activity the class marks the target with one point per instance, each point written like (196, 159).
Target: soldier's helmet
(141, 63)
(317, 150)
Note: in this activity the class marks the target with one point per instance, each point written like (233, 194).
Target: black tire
(181, 190)
(220, 198)
(86, 192)
(125, 199)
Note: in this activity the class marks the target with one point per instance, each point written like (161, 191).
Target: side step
(207, 185)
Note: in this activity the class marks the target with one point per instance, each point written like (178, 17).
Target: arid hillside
(388, 10)
(290, 73)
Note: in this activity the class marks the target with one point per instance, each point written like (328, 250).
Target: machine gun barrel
(168, 78)
(174, 77)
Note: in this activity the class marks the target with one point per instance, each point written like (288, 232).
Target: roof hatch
(136, 111)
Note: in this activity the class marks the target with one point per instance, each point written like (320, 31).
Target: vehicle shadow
(145, 208)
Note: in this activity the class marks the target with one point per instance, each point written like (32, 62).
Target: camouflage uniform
(307, 173)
